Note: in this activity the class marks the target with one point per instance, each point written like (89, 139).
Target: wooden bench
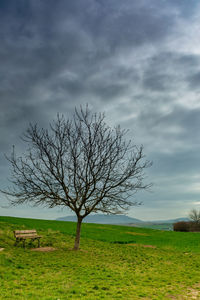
(23, 235)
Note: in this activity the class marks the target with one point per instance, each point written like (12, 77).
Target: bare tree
(80, 163)
(194, 215)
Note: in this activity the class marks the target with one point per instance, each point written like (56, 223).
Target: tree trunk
(78, 232)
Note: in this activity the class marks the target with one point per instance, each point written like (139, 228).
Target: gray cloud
(132, 59)
(194, 81)
(168, 71)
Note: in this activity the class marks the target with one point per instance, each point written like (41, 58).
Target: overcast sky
(138, 61)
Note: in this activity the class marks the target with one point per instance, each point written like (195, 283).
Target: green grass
(114, 263)
(159, 226)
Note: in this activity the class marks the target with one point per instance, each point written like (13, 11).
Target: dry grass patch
(194, 292)
(141, 245)
(104, 227)
(137, 233)
(44, 249)
(191, 293)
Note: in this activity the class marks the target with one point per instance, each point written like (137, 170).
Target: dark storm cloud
(41, 40)
(121, 57)
(129, 24)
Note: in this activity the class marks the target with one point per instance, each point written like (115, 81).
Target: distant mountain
(118, 219)
(103, 219)
(170, 221)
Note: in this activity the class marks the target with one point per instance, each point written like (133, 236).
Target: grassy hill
(115, 262)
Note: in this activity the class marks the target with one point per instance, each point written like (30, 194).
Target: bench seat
(23, 235)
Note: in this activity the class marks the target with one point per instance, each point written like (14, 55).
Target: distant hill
(118, 219)
(103, 219)
(171, 221)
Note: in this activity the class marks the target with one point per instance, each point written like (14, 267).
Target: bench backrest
(18, 233)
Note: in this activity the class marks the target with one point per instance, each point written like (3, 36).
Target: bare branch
(80, 163)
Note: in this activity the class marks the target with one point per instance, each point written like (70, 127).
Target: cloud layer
(139, 61)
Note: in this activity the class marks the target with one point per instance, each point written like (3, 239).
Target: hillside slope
(115, 262)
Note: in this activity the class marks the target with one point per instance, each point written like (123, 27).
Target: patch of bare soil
(191, 293)
(145, 246)
(1, 249)
(44, 249)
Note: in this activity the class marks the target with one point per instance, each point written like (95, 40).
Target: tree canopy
(81, 163)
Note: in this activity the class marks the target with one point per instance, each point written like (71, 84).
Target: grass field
(159, 226)
(115, 262)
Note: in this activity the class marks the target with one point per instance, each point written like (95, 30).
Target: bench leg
(38, 243)
(24, 243)
(16, 242)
